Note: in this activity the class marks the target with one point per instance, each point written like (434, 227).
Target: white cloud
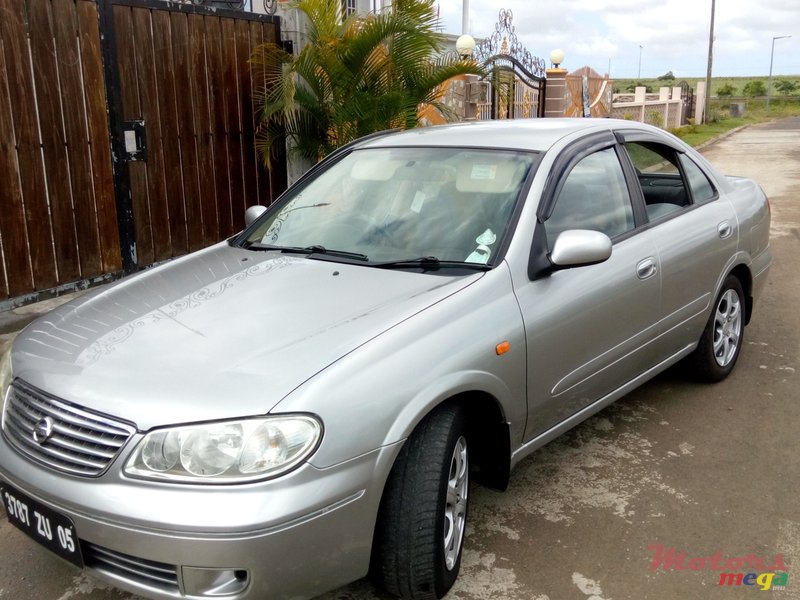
(673, 33)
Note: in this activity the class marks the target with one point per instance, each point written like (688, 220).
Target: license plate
(48, 527)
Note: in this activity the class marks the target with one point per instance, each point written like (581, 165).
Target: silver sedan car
(309, 401)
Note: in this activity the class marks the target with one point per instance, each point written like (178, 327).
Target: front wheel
(722, 339)
(420, 530)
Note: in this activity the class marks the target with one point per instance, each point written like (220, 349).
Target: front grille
(60, 435)
(130, 568)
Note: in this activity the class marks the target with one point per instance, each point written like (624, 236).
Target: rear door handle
(646, 268)
(724, 229)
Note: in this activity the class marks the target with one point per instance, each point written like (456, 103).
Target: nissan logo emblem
(43, 430)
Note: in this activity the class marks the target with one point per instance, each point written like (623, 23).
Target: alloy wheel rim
(727, 328)
(455, 510)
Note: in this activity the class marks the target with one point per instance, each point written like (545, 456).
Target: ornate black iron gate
(515, 79)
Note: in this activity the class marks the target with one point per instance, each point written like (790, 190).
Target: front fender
(376, 395)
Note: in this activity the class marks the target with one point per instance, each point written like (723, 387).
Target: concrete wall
(664, 109)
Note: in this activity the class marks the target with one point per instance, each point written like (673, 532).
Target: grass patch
(737, 83)
(721, 122)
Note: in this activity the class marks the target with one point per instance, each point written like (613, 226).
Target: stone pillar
(640, 97)
(555, 93)
(700, 102)
(472, 97)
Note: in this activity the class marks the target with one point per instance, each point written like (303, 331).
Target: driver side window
(594, 196)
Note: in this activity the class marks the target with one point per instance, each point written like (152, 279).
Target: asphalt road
(710, 471)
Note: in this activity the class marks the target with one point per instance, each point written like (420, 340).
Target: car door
(694, 229)
(589, 329)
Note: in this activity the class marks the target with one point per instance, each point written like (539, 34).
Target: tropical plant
(355, 76)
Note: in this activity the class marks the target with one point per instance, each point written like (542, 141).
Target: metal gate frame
(516, 77)
(688, 97)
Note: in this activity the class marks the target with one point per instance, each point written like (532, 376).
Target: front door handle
(646, 268)
(724, 229)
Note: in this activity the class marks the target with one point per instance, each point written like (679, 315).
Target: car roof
(519, 134)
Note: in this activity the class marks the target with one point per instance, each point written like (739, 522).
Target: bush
(727, 90)
(655, 117)
(632, 87)
(755, 88)
(786, 87)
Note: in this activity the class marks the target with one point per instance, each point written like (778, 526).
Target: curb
(721, 137)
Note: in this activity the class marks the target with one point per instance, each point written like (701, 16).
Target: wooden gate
(126, 137)
(588, 94)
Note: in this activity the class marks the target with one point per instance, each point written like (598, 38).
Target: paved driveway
(709, 471)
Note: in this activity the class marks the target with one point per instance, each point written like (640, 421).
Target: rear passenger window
(701, 187)
(659, 175)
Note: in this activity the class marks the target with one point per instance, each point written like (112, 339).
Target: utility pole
(710, 61)
(639, 76)
(771, 56)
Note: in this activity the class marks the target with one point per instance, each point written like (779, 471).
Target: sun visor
(375, 166)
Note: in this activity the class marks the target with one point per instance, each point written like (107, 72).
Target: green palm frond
(354, 77)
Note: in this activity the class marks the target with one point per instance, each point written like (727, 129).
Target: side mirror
(252, 213)
(580, 247)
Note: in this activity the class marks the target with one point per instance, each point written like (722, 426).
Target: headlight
(227, 451)
(5, 375)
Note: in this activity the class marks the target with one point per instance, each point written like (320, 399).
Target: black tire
(410, 558)
(722, 339)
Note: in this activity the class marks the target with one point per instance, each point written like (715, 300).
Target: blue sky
(673, 33)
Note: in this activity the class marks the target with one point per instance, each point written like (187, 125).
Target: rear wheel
(722, 339)
(423, 515)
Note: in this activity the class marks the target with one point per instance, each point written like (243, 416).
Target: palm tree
(354, 77)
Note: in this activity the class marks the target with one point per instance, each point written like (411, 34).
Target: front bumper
(293, 537)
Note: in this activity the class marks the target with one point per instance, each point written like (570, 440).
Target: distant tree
(786, 86)
(755, 88)
(726, 90)
(666, 76)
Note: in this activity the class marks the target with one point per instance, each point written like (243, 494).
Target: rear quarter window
(701, 188)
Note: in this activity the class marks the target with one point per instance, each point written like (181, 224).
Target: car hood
(221, 333)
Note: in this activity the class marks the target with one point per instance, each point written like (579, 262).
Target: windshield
(398, 204)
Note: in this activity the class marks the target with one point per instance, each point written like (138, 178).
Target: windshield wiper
(315, 249)
(430, 262)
